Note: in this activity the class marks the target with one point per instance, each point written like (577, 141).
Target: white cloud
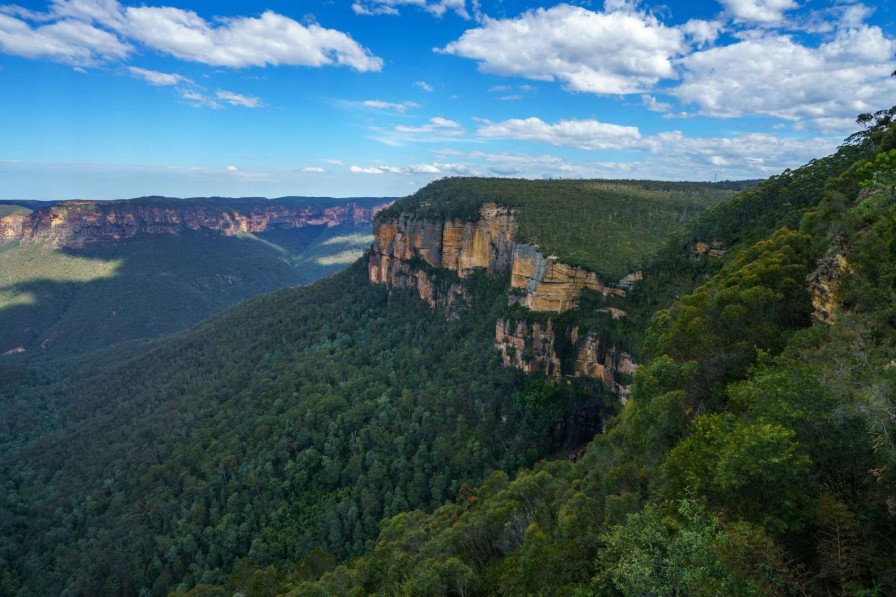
(67, 41)
(423, 85)
(370, 170)
(314, 170)
(235, 99)
(270, 39)
(437, 125)
(764, 12)
(74, 37)
(616, 52)
(232, 169)
(392, 7)
(400, 107)
(154, 77)
(581, 134)
(773, 75)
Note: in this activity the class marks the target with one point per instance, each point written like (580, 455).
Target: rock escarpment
(824, 282)
(433, 258)
(539, 348)
(548, 284)
(73, 224)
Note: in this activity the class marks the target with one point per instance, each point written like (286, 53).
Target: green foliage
(688, 551)
(607, 226)
(295, 421)
(65, 301)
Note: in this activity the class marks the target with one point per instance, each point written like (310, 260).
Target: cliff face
(538, 348)
(453, 245)
(408, 253)
(404, 245)
(76, 223)
(824, 282)
(433, 258)
(549, 285)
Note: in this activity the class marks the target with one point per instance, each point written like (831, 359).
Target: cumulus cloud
(400, 107)
(617, 52)
(392, 7)
(774, 75)
(762, 12)
(423, 85)
(87, 32)
(67, 41)
(581, 134)
(314, 170)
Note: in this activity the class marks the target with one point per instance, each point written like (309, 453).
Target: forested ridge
(346, 439)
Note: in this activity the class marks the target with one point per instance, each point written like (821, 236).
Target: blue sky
(110, 99)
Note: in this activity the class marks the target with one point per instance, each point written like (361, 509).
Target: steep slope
(755, 453)
(79, 275)
(299, 419)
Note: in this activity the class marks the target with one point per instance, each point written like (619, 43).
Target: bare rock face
(824, 282)
(539, 348)
(11, 226)
(549, 285)
(433, 258)
(73, 224)
(453, 245)
(715, 249)
(406, 251)
(608, 363)
(528, 347)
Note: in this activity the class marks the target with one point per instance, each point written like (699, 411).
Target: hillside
(464, 412)
(81, 275)
(298, 420)
(754, 453)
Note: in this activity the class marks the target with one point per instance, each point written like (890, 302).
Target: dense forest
(70, 299)
(344, 438)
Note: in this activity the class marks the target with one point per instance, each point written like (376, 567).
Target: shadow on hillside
(74, 300)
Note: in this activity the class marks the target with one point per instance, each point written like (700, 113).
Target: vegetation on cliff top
(607, 226)
(253, 453)
(755, 453)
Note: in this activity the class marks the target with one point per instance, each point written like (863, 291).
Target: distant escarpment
(433, 257)
(73, 224)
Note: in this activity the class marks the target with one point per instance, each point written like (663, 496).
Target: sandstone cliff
(434, 257)
(824, 282)
(76, 223)
(539, 348)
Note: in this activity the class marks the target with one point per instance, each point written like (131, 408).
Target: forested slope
(345, 419)
(755, 453)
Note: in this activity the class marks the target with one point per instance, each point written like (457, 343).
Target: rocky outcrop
(613, 366)
(403, 245)
(538, 348)
(528, 347)
(714, 249)
(549, 285)
(76, 223)
(409, 252)
(824, 282)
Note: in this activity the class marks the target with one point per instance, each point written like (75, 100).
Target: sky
(108, 99)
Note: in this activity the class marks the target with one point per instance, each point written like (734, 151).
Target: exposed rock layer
(76, 223)
(824, 282)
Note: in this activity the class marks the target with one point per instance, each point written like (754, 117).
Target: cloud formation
(616, 52)
(581, 134)
(392, 7)
(400, 107)
(89, 32)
